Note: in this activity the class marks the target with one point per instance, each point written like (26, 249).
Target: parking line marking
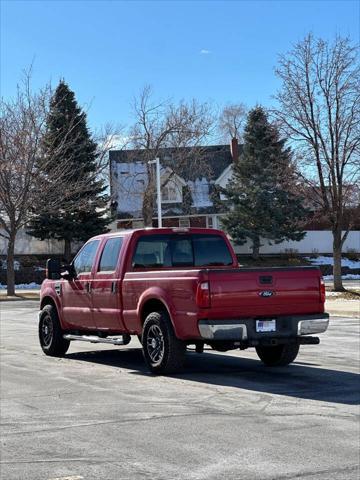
(72, 477)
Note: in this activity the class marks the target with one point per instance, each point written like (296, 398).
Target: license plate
(266, 325)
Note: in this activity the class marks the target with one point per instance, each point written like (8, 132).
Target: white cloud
(115, 142)
(204, 51)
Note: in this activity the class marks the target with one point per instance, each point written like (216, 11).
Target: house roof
(216, 158)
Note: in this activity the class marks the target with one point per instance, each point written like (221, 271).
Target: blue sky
(107, 50)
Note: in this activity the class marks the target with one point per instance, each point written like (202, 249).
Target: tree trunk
(67, 250)
(337, 246)
(148, 206)
(10, 271)
(256, 248)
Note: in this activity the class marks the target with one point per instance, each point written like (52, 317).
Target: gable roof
(216, 158)
(224, 173)
(166, 172)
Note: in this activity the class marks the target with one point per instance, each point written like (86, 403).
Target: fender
(158, 293)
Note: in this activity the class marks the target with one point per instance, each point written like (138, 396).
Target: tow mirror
(68, 272)
(53, 269)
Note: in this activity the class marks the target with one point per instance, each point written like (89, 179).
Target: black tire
(51, 334)
(163, 352)
(279, 355)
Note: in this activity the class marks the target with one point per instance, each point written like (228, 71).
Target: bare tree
(232, 120)
(108, 137)
(24, 187)
(319, 107)
(165, 124)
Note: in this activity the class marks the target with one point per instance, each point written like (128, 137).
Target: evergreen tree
(187, 200)
(261, 189)
(68, 142)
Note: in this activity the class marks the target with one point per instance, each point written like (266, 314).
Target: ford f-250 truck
(176, 287)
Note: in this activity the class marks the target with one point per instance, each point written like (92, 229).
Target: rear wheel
(163, 352)
(51, 334)
(279, 355)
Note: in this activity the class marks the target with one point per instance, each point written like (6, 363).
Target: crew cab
(174, 287)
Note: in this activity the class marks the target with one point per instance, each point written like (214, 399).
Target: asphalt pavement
(98, 413)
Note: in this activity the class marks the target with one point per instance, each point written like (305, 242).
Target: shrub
(314, 253)
(352, 254)
(292, 252)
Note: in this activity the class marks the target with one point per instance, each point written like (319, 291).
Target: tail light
(203, 295)
(322, 290)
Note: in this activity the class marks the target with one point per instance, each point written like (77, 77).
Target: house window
(170, 193)
(184, 222)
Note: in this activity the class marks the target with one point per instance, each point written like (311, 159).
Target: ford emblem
(266, 293)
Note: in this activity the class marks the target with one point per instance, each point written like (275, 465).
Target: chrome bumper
(308, 327)
(244, 330)
(227, 330)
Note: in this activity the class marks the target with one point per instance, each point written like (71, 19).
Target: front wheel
(51, 334)
(163, 351)
(279, 355)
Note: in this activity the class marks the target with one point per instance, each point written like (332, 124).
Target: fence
(314, 240)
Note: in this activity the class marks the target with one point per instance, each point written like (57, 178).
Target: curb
(4, 298)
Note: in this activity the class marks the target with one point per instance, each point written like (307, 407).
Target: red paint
(115, 301)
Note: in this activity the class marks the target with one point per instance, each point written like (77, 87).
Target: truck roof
(166, 230)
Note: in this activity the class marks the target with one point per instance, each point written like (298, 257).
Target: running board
(95, 339)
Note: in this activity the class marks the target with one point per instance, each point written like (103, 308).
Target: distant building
(189, 195)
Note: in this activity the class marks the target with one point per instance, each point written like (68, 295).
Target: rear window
(182, 253)
(211, 250)
(199, 250)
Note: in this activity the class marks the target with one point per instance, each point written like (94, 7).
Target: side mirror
(68, 272)
(53, 269)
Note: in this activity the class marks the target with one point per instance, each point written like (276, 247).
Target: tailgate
(264, 292)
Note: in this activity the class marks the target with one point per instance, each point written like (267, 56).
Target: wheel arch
(48, 301)
(153, 305)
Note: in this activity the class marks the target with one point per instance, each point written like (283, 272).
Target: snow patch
(344, 277)
(345, 262)
(23, 286)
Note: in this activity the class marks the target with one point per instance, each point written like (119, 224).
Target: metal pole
(158, 188)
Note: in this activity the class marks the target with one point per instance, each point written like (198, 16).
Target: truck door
(105, 291)
(76, 293)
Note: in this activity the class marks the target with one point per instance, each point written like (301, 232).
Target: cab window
(85, 258)
(152, 252)
(110, 255)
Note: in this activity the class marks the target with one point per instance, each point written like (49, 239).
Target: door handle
(113, 287)
(88, 287)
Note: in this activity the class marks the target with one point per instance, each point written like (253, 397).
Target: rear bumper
(244, 330)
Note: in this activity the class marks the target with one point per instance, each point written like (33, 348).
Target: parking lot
(98, 413)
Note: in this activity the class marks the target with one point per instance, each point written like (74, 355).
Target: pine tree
(261, 189)
(82, 213)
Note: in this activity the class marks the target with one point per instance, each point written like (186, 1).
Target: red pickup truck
(175, 287)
